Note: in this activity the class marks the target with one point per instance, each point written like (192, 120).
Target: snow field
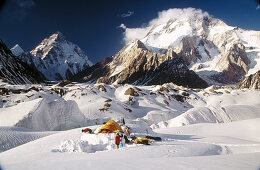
(200, 146)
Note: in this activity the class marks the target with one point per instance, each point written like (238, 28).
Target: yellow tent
(110, 126)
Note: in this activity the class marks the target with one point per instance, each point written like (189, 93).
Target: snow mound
(214, 115)
(88, 143)
(56, 114)
(9, 116)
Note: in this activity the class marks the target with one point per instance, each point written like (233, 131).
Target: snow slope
(76, 105)
(201, 146)
(39, 108)
(221, 109)
(213, 128)
(11, 137)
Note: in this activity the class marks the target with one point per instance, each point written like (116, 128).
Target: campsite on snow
(205, 128)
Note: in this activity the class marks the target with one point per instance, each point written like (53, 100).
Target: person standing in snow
(122, 142)
(127, 130)
(117, 140)
(122, 121)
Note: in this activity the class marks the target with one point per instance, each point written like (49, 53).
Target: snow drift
(213, 115)
(89, 143)
(54, 115)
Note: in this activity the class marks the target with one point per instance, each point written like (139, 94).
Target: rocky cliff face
(135, 64)
(14, 70)
(91, 74)
(250, 82)
(57, 58)
(233, 65)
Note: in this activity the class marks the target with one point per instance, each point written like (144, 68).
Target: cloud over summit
(163, 17)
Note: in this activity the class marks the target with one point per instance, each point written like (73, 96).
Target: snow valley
(192, 81)
(209, 125)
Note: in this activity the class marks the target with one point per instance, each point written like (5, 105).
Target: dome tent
(109, 127)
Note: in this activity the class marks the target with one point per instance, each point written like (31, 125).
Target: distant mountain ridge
(56, 57)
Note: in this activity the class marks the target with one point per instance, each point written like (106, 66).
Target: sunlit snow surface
(214, 128)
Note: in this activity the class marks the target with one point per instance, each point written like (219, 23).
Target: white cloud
(128, 14)
(135, 33)
(122, 26)
(163, 17)
(258, 7)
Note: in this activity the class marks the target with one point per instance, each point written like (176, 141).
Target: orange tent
(109, 127)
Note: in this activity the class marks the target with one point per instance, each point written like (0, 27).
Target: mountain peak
(61, 58)
(57, 36)
(17, 50)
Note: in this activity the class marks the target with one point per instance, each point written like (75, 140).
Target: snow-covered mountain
(13, 70)
(55, 57)
(218, 53)
(210, 47)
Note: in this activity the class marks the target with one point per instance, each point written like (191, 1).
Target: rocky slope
(56, 58)
(250, 82)
(15, 71)
(135, 64)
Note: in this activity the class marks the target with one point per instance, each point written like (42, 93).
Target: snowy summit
(59, 58)
(17, 50)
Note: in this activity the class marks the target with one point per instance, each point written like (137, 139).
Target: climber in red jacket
(117, 140)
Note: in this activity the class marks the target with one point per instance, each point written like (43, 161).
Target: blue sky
(93, 25)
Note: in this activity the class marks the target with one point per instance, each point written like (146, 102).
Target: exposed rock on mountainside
(135, 64)
(56, 58)
(91, 74)
(14, 70)
(233, 64)
(250, 82)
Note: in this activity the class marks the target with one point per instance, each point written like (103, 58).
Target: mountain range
(192, 50)
(218, 53)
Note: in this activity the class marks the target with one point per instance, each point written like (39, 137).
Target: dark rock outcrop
(250, 82)
(134, 64)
